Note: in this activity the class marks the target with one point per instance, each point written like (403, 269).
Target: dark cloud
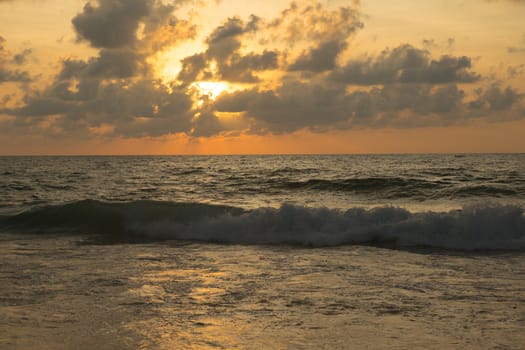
(226, 39)
(324, 24)
(293, 106)
(515, 71)
(494, 98)
(320, 58)
(109, 64)
(117, 64)
(115, 92)
(224, 51)
(513, 49)
(329, 36)
(111, 23)
(114, 24)
(406, 64)
(9, 73)
(192, 67)
(520, 48)
(142, 108)
(21, 57)
(240, 68)
(296, 105)
(207, 124)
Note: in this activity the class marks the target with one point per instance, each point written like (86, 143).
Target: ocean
(248, 252)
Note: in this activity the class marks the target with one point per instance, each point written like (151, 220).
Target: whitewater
(306, 251)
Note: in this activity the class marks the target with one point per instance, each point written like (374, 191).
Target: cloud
(115, 90)
(320, 58)
(290, 78)
(223, 59)
(21, 57)
(323, 23)
(240, 68)
(296, 105)
(331, 31)
(114, 24)
(515, 71)
(226, 45)
(142, 108)
(518, 49)
(117, 64)
(494, 98)
(9, 73)
(513, 49)
(406, 64)
(111, 23)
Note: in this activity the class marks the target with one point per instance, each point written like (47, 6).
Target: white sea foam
(475, 227)
(489, 227)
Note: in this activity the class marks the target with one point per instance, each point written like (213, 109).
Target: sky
(261, 76)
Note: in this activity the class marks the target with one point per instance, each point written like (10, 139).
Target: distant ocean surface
(263, 252)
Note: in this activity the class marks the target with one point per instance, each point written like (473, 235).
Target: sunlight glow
(212, 89)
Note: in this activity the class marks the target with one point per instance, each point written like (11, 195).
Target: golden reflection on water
(187, 308)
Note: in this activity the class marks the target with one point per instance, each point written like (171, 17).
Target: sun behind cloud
(211, 89)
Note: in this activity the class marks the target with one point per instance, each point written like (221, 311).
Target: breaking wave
(488, 227)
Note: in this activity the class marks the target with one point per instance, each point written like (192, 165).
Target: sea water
(310, 251)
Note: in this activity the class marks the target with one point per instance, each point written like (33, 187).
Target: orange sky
(218, 77)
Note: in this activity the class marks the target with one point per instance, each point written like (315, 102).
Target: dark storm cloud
(406, 64)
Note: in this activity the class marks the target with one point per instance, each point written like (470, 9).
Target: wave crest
(487, 227)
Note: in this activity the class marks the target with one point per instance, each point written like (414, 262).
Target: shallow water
(59, 294)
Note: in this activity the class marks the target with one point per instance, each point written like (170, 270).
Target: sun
(212, 89)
